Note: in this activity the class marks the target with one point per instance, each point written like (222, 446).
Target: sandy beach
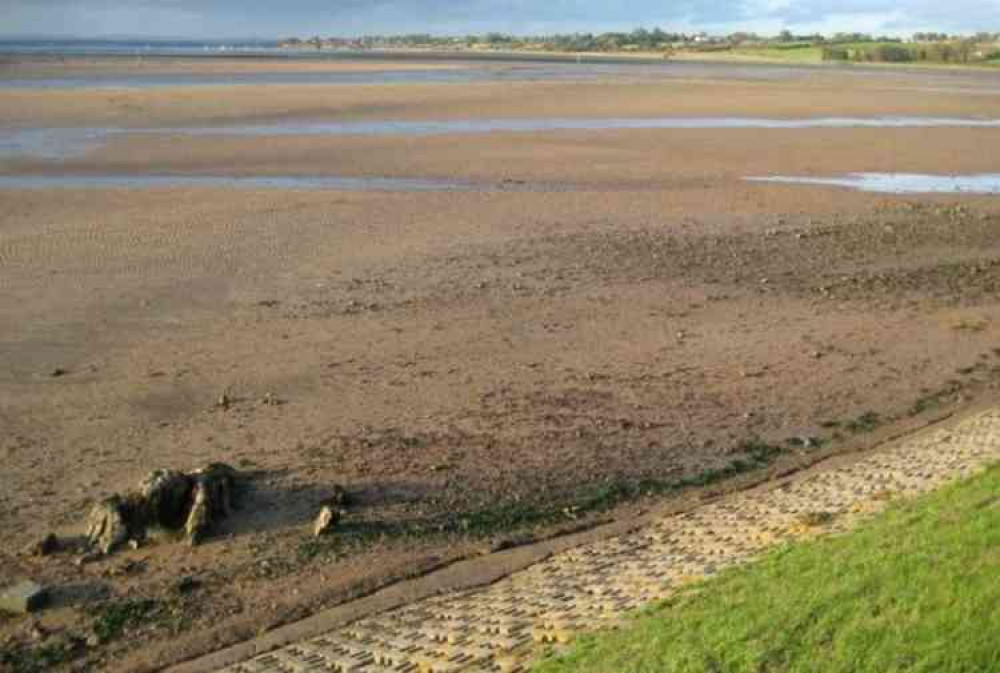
(600, 308)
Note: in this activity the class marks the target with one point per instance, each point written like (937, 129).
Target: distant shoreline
(49, 52)
(417, 55)
(284, 53)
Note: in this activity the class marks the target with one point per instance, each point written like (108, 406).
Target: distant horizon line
(124, 37)
(135, 38)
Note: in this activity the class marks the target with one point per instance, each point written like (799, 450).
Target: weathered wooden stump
(212, 500)
(168, 495)
(166, 500)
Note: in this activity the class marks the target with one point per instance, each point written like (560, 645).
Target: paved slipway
(503, 626)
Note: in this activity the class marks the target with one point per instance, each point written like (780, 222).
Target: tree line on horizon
(962, 51)
(840, 46)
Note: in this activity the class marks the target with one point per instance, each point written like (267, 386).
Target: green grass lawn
(915, 589)
(797, 55)
(787, 54)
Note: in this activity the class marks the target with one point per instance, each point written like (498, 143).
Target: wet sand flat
(611, 308)
(54, 66)
(620, 95)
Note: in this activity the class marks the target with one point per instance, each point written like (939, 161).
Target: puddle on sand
(51, 143)
(269, 182)
(484, 67)
(529, 125)
(388, 76)
(899, 183)
(68, 142)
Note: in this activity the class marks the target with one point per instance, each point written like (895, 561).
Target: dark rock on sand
(23, 597)
(44, 546)
(338, 498)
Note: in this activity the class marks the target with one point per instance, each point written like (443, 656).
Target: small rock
(338, 498)
(805, 442)
(506, 542)
(36, 632)
(71, 644)
(126, 568)
(43, 547)
(187, 584)
(90, 557)
(326, 520)
(224, 401)
(58, 372)
(23, 597)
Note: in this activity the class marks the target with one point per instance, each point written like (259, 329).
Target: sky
(226, 19)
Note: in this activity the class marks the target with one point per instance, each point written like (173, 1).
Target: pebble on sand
(23, 597)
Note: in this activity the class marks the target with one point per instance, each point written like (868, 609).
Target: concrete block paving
(502, 627)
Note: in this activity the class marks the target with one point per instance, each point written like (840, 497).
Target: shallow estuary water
(57, 143)
(898, 183)
(232, 182)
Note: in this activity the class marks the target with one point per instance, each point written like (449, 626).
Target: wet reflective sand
(56, 143)
(899, 183)
(8, 182)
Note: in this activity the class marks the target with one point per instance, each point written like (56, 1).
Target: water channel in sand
(58, 143)
(269, 182)
(899, 183)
